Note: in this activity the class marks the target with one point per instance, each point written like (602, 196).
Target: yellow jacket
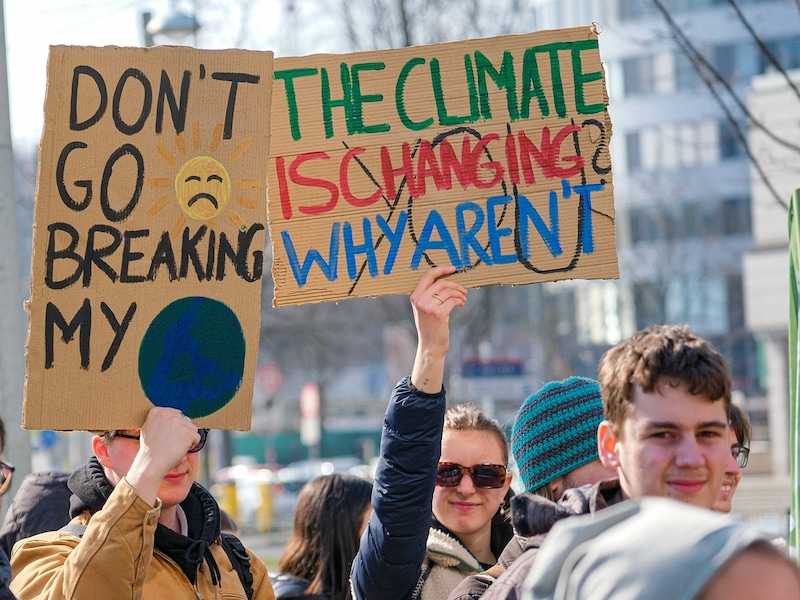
(116, 559)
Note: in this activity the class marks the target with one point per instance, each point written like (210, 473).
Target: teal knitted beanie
(555, 430)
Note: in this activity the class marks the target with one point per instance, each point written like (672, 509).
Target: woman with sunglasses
(441, 482)
(141, 526)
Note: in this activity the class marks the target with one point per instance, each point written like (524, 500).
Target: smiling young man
(141, 527)
(666, 396)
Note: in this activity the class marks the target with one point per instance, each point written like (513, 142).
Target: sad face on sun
(202, 187)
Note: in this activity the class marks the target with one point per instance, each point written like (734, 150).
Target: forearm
(427, 375)
(393, 547)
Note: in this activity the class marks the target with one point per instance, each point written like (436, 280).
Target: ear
(556, 486)
(101, 452)
(607, 445)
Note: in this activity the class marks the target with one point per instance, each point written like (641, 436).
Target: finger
(432, 275)
(449, 290)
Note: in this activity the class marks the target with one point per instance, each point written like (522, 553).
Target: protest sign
(489, 154)
(149, 234)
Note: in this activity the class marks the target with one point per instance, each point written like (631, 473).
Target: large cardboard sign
(489, 154)
(149, 237)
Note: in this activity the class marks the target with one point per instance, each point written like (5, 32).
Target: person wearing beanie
(554, 437)
(666, 397)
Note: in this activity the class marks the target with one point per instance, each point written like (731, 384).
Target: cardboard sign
(149, 237)
(490, 154)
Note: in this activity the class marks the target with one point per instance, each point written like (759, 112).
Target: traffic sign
(269, 379)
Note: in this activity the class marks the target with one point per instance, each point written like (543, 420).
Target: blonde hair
(468, 417)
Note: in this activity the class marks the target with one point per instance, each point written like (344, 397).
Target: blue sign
(504, 368)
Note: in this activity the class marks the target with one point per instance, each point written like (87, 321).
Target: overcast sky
(33, 25)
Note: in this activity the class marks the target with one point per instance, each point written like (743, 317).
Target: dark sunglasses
(196, 448)
(483, 476)
(6, 473)
(741, 454)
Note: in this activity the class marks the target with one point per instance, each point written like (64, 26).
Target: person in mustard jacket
(141, 528)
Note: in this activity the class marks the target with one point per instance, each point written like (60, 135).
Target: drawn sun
(202, 186)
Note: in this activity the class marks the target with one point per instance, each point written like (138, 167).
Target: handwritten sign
(149, 237)
(491, 155)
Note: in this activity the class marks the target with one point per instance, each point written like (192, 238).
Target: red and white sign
(269, 379)
(309, 401)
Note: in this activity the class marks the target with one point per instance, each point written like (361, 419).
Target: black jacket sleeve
(393, 546)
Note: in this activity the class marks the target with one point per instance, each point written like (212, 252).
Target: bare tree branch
(692, 54)
(763, 47)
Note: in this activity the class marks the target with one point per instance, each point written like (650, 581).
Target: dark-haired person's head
(741, 431)
(332, 512)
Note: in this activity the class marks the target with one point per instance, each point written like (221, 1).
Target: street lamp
(177, 26)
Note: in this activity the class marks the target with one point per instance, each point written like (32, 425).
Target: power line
(692, 54)
(697, 57)
(763, 47)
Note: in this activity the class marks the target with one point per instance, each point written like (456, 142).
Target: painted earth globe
(192, 356)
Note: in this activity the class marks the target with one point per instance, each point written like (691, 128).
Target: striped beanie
(555, 430)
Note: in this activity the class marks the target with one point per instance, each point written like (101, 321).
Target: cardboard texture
(149, 237)
(489, 154)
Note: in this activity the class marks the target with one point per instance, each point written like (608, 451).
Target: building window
(725, 60)
(598, 310)
(649, 304)
(688, 144)
(786, 51)
(633, 151)
(685, 75)
(729, 144)
(641, 225)
(636, 9)
(637, 75)
(699, 301)
(736, 216)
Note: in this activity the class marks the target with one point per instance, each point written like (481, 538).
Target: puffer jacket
(125, 553)
(40, 504)
(533, 517)
(393, 548)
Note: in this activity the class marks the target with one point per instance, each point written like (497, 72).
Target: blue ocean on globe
(192, 356)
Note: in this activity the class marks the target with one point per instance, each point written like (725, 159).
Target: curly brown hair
(661, 355)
